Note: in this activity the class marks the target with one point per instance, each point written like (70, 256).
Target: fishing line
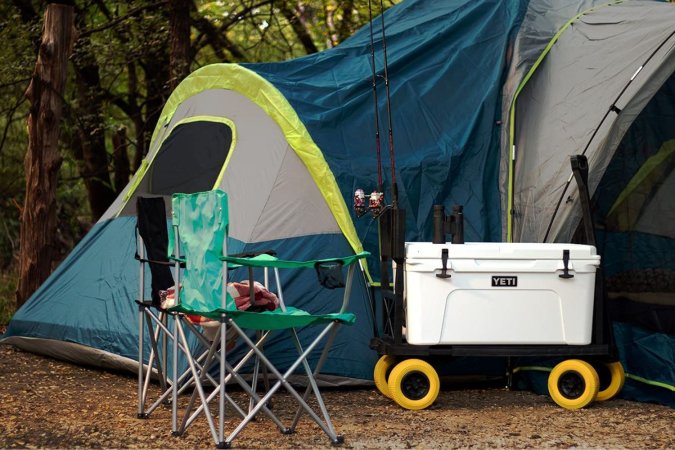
(394, 188)
(377, 115)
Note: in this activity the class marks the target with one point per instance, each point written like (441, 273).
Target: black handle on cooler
(444, 260)
(566, 261)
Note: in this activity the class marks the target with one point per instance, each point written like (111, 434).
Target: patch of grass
(7, 299)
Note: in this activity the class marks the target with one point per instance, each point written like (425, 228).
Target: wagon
(451, 299)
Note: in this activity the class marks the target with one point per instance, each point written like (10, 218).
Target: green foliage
(18, 56)
(7, 287)
(267, 30)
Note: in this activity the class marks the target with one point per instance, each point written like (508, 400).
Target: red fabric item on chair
(264, 300)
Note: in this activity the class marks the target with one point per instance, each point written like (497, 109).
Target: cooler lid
(499, 250)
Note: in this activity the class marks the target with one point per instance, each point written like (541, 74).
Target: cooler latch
(444, 260)
(566, 262)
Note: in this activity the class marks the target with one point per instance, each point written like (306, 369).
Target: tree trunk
(179, 37)
(136, 115)
(94, 166)
(345, 29)
(299, 27)
(42, 162)
(156, 67)
(120, 159)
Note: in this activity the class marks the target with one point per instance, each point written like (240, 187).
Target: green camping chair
(151, 252)
(200, 223)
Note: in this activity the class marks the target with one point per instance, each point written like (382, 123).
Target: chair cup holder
(330, 274)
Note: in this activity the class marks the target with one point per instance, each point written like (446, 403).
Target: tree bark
(179, 41)
(299, 28)
(345, 30)
(120, 159)
(155, 65)
(136, 114)
(42, 162)
(94, 165)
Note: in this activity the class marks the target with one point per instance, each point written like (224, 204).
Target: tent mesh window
(191, 158)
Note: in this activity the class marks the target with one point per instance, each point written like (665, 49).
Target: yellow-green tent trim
(266, 96)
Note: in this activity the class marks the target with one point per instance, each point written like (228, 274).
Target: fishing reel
(375, 205)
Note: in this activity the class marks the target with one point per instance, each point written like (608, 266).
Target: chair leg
(200, 373)
(141, 370)
(145, 371)
(312, 380)
(221, 402)
(282, 381)
(231, 372)
(162, 324)
(196, 377)
(163, 318)
(204, 375)
(154, 354)
(256, 376)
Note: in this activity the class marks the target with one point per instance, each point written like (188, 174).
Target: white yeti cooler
(499, 293)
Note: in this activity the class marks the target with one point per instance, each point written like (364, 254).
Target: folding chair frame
(156, 361)
(200, 373)
(217, 351)
(154, 318)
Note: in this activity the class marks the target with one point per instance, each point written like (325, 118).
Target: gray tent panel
(266, 181)
(567, 104)
(542, 20)
(295, 206)
(631, 103)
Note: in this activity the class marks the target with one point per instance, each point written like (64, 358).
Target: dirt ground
(50, 404)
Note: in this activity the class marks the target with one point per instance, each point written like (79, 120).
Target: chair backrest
(200, 222)
(151, 222)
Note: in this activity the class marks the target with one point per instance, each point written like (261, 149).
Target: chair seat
(272, 320)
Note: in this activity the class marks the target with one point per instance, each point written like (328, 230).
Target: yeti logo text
(504, 281)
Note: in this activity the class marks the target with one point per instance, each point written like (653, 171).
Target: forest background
(125, 60)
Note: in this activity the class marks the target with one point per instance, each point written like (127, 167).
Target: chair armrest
(265, 260)
(172, 261)
(253, 254)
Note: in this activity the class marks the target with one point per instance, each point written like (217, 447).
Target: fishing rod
(377, 114)
(376, 203)
(376, 198)
(612, 108)
(394, 187)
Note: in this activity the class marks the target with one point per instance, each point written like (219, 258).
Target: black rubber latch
(566, 261)
(444, 260)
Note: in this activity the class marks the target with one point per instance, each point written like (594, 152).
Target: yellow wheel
(614, 373)
(414, 384)
(381, 374)
(573, 384)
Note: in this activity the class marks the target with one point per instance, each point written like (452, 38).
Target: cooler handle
(444, 260)
(566, 262)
